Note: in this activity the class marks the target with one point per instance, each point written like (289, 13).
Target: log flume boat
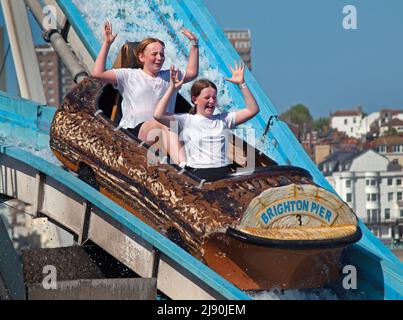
(270, 227)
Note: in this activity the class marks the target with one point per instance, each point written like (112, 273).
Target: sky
(302, 54)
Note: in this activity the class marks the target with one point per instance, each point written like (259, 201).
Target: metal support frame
(11, 271)
(23, 50)
(59, 44)
(83, 235)
(39, 194)
(70, 35)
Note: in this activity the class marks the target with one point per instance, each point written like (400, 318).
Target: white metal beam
(72, 37)
(23, 50)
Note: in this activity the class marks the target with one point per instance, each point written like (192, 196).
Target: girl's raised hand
(189, 35)
(175, 83)
(109, 36)
(237, 73)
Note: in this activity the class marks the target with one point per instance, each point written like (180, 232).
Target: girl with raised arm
(142, 88)
(205, 134)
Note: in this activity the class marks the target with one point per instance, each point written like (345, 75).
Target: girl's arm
(252, 108)
(160, 113)
(99, 72)
(192, 69)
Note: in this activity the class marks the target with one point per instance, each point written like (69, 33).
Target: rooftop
(394, 122)
(392, 111)
(340, 161)
(347, 113)
(387, 140)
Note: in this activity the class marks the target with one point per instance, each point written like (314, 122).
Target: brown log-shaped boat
(271, 227)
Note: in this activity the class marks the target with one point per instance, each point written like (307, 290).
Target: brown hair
(196, 89)
(199, 85)
(142, 46)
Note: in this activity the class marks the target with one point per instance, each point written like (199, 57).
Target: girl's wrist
(242, 85)
(194, 43)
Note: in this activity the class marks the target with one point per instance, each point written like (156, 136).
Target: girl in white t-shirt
(142, 88)
(205, 134)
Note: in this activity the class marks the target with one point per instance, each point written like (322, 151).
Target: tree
(300, 116)
(321, 125)
(391, 132)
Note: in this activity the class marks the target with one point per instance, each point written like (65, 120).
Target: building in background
(395, 125)
(66, 81)
(372, 185)
(349, 121)
(356, 124)
(241, 40)
(390, 146)
(56, 79)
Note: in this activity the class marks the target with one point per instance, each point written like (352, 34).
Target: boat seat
(273, 170)
(236, 153)
(125, 59)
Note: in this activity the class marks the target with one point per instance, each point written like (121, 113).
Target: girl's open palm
(109, 36)
(189, 35)
(175, 83)
(237, 73)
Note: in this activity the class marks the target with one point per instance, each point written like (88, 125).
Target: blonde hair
(141, 47)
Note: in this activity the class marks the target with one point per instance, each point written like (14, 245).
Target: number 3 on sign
(299, 218)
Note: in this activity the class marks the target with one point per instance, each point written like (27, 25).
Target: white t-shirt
(141, 93)
(206, 139)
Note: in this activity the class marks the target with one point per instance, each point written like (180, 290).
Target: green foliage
(321, 124)
(300, 116)
(297, 114)
(391, 132)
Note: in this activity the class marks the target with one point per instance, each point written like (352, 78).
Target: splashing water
(318, 294)
(134, 20)
(44, 153)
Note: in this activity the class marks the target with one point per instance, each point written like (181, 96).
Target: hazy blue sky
(302, 54)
